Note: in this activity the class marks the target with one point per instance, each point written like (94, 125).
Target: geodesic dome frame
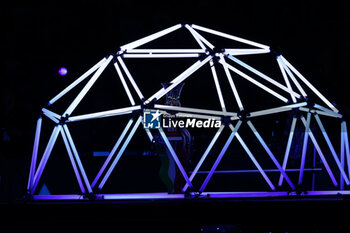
(294, 100)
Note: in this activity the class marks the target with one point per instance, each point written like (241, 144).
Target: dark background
(38, 38)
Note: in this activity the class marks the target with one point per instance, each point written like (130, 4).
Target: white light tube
(286, 154)
(178, 79)
(324, 161)
(77, 81)
(174, 156)
(126, 88)
(310, 85)
(338, 115)
(192, 115)
(35, 153)
(230, 37)
(277, 110)
(195, 37)
(149, 134)
(230, 80)
(70, 154)
(255, 82)
(131, 79)
(269, 152)
(204, 156)
(45, 157)
(76, 156)
(200, 37)
(267, 78)
(346, 142)
(108, 113)
(291, 75)
(87, 87)
(117, 144)
(217, 85)
(218, 159)
(51, 115)
(257, 165)
(305, 142)
(155, 55)
(237, 52)
(330, 145)
(44, 110)
(153, 51)
(285, 77)
(342, 155)
(177, 55)
(149, 38)
(120, 153)
(194, 110)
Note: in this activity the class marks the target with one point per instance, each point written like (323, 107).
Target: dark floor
(238, 215)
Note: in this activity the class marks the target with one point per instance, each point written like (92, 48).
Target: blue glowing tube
(223, 151)
(120, 139)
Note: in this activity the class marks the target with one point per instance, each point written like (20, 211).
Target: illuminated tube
(149, 134)
(233, 87)
(310, 85)
(194, 34)
(152, 51)
(131, 79)
(204, 156)
(335, 156)
(177, 55)
(286, 79)
(45, 157)
(115, 161)
(223, 151)
(35, 153)
(230, 37)
(77, 81)
(50, 115)
(150, 37)
(276, 110)
(303, 155)
(286, 154)
(87, 87)
(48, 112)
(109, 113)
(291, 75)
(237, 52)
(69, 151)
(201, 38)
(176, 159)
(346, 142)
(217, 85)
(342, 154)
(194, 110)
(126, 88)
(255, 82)
(324, 161)
(119, 141)
(76, 156)
(273, 158)
(267, 78)
(330, 112)
(128, 196)
(251, 156)
(178, 79)
(192, 115)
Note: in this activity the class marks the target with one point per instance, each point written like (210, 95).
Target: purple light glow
(62, 71)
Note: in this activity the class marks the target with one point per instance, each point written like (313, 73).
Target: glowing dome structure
(291, 89)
